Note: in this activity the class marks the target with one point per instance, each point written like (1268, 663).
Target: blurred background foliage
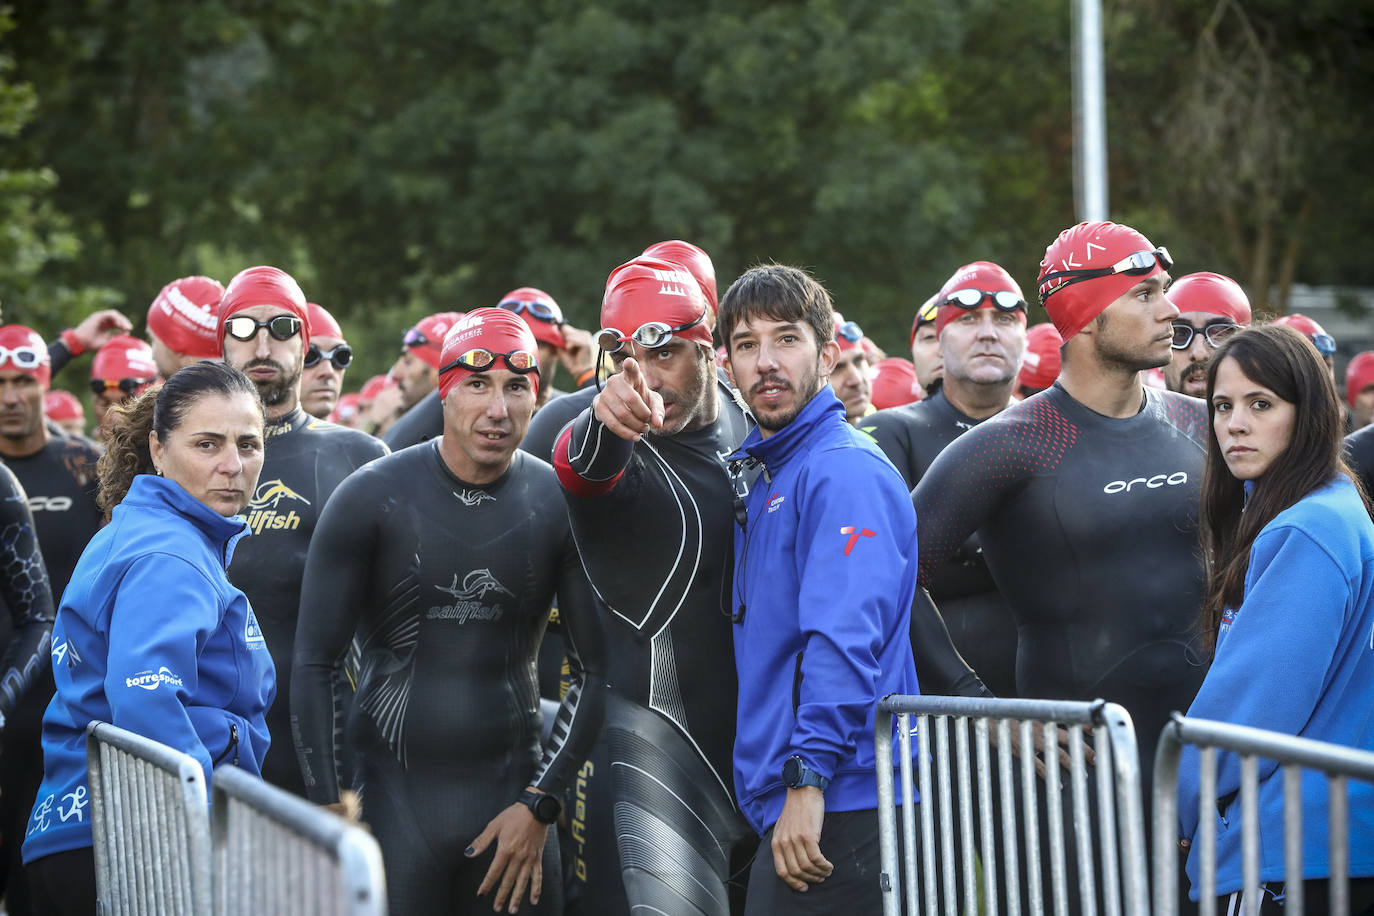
(403, 157)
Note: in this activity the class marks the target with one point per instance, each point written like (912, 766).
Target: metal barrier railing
(276, 853)
(149, 823)
(1293, 755)
(996, 875)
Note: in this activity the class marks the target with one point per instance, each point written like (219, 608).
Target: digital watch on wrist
(797, 775)
(545, 808)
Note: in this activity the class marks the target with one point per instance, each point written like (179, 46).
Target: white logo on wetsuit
(468, 597)
(472, 498)
(152, 680)
(1177, 478)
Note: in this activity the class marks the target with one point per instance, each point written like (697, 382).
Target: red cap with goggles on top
(185, 316)
(22, 350)
(848, 334)
(1041, 363)
(426, 339)
(1089, 267)
(264, 285)
(488, 339)
(979, 285)
(124, 364)
(650, 302)
(539, 311)
(1324, 342)
(1211, 294)
(697, 262)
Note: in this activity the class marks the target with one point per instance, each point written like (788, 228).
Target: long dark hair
(1286, 363)
(159, 410)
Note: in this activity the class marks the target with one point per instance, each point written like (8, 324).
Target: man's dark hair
(779, 293)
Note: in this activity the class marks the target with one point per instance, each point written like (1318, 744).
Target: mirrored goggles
(479, 359)
(1214, 334)
(23, 357)
(850, 331)
(649, 336)
(341, 356)
(415, 338)
(539, 308)
(1003, 300)
(245, 327)
(124, 386)
(1136, 264)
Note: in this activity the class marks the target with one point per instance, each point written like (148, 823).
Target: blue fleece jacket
(151, 637)
(826, 570)
(1296, 657)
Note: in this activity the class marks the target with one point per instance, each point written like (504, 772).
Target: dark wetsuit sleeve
(588, 457)
(24, 587)
(939, 666)
(583, 707)
(58, 356)
(334, 591)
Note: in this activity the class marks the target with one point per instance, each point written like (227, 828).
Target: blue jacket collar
(774, 451)
(152, 492)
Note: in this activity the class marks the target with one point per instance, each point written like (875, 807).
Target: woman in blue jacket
(150, 635)
(1289, 604)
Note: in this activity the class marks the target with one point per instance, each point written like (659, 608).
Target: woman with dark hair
(1288, 544)
(150, 634)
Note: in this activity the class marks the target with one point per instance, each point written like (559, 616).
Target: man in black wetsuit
(57, 474)
(262, 326)
(445, 559)
(1211, 308)
(651, 504)
(981, 327)
(1085, 496)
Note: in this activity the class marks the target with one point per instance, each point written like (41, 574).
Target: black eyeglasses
(1214, 334)
(1003, 300)
(1136, 264)
(341, 356)
(124, 385)
(244, 327)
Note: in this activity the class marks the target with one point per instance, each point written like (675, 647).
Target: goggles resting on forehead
(23, 357)
(245, 327)
(341, 356)
(1003, 300)
(125, 386)
(1325, 343)
(539, 308)
(850, 331)
(1136, 264)
(480, 359)
(415, 338)
(1214, 334)
(650, 335)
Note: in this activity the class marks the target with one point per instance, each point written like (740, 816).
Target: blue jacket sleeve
(162, 615)
(1275, 661)
(857, 580)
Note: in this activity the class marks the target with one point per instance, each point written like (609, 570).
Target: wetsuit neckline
(286, 423)
(494, 487)
(1141, 423)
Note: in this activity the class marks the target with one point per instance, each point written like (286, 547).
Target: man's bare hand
(577, 352)
(519, 860)
(796, 839)
(626, 404)
(96, 329)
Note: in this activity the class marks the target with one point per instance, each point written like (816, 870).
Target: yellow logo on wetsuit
(263, 512)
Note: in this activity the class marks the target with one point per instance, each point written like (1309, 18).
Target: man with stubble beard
(1211, 308)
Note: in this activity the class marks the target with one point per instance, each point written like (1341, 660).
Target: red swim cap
(373, 387)
(263, 286)
(321, 323)
(849, 335)
(1041, 365)
(533, 305)
(1211, 294)
(60, 406)
(346, 407)
(496, 330)
(1359, 375)
(23, 350)
(124, 357)
(647, 289)
(185, 316)
(697, 262)
(894, 383)
(984, 276)
(426, 339)
(1071, 302)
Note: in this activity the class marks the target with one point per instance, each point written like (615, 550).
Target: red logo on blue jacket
(854, 534)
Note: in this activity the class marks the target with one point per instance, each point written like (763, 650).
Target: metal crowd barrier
(1293, 755)
(276, 853)
(149, 823)
(1007, 863)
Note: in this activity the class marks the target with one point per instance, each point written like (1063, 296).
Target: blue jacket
(151, 637)
(826, 571)
(1297, 657)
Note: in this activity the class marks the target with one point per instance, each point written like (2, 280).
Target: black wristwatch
(545, 808)
(797, 775)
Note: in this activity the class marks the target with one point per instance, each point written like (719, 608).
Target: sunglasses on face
(1136, 264)
(1003, 300)
(281, 327)
(125, 386)
(341, 356)
(23, 357)
(850, 331)
(480, 359)
(650, 335)
(1214, 334)
(539, 308)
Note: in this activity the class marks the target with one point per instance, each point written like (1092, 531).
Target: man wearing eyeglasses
(263, 328)
(850, 378)
(445, 559)
(326, 359)
(1085, 496)
(649, 497)
(1211, 308)
(122, 369)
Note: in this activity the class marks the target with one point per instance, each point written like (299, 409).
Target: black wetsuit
(305, 460)
(976, 614)
(653, 524)
(448, 585)
(1089, 526)
(550, 419)
(27, 595)
(60, 482)
(423, 421)
(1359, 454)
